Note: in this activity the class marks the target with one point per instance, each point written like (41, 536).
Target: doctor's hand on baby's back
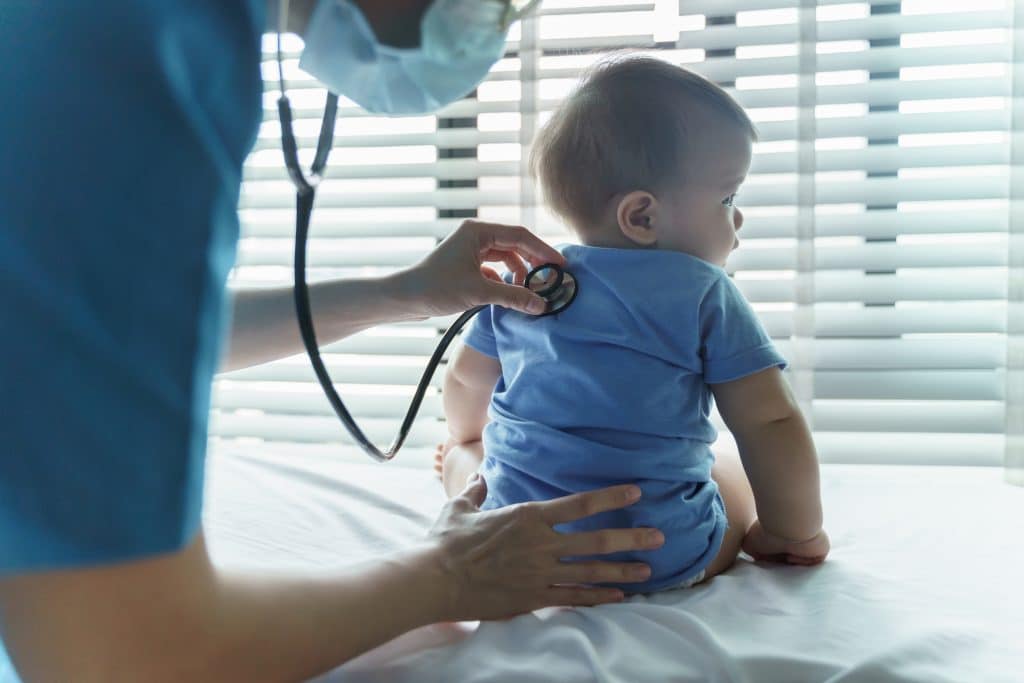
(508, 561)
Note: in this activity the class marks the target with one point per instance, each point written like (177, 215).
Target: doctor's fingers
(579, 505)
(609, 541)
(515, 238)
(512, 296)
(513, 261)
(599, 572)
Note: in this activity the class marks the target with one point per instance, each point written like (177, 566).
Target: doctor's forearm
(293, 629)
(264, 325)
(176, 617)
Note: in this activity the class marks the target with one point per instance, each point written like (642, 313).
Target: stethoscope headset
(555, 285)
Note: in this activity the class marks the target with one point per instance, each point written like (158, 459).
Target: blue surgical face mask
(459, 42)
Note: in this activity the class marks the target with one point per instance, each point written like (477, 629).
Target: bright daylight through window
(877, 237)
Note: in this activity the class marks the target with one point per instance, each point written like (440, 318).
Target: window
(877, 235)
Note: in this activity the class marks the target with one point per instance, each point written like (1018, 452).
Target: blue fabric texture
(125, 125)
(615, 389)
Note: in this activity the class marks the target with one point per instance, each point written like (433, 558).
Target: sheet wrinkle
(912, 659)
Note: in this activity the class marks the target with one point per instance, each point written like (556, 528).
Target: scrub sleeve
(124, 128)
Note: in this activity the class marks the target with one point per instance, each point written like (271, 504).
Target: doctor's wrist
(415, 290)
(408, 290)
(434, 597)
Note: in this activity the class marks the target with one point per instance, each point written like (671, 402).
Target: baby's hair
(624, 128)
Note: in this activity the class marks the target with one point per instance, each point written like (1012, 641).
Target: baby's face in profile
(700, 217)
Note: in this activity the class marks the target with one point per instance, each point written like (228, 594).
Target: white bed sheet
(925, 583)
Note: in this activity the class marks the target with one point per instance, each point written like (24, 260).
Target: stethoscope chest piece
(555, 285)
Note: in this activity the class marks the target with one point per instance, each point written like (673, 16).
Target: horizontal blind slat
(317, 429)
(933, 318)
(859, 448)
(948, 353)
(883, 289)
(308, 399)
(717, 7)
(965, 417)
(343, 370)
(951, 385)
(878, 256)
(878, 27)
(415, 457)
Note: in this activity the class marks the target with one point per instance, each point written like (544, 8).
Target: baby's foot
(439, 456)
(454, 465)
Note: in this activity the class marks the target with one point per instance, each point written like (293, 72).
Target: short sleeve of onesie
(733, 342)
(479, 335)
(125, 126)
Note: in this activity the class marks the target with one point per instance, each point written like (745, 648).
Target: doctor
(124, 128)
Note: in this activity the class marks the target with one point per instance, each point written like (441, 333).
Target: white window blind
(876, 241)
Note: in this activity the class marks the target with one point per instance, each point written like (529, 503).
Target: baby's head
(647, 155)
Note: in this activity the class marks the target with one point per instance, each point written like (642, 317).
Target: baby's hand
(762, 545)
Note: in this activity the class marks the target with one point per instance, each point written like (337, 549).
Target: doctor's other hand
(503, 562)
(453, 277)
(766, 546)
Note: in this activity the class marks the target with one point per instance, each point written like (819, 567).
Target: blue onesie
(615, 389)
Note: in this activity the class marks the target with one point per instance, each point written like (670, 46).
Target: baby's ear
(637, 214)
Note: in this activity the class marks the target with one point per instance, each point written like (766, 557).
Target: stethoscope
(555, 285)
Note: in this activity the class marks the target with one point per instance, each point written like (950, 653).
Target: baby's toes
(438, 463)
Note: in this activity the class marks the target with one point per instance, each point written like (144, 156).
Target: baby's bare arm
(468, 384)
(777, 452)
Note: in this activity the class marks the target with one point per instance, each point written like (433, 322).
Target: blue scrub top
(124, 128)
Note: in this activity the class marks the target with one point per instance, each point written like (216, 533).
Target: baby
(643, 161)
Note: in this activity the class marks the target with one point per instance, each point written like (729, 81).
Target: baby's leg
(460, 462)
(739, 506)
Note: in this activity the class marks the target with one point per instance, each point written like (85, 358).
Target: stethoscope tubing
(305, 196)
